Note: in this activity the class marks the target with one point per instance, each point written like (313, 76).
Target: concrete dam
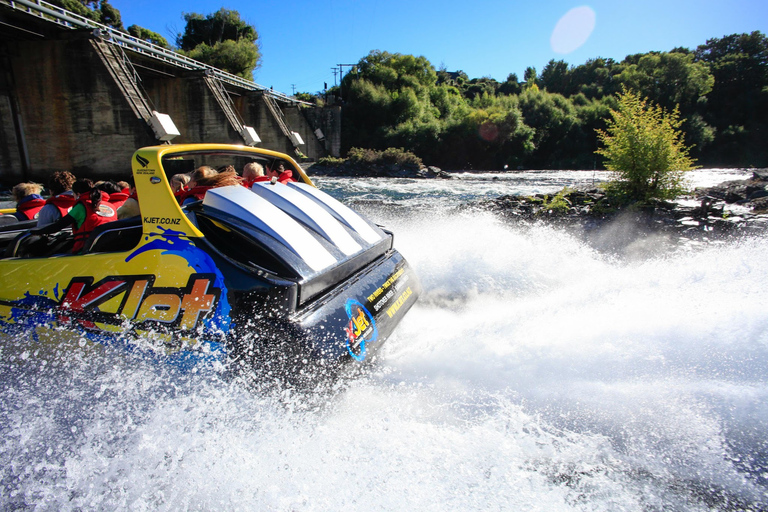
(79, 96)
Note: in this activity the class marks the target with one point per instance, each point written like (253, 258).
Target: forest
(547, 120)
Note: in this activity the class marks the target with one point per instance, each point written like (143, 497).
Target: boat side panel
(354, 320)
(165, 285)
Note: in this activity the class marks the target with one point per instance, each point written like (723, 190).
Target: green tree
(556, 77)
(100, 11)
(478, 86)
(511, 85)
(147, 35)
(491, 133)
(237, 57)
(592, 114)
(529, 76)
(222, 40)
(389, 98)
(110, 15)
(673, 79)
(456, 79)
(553, 119)
(595, 78)
(738, 104)
(643, 146)
(668, 79)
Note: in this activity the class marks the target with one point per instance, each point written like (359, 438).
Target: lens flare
(573, 30)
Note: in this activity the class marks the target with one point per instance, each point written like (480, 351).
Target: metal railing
(226, 103)
(68, 19)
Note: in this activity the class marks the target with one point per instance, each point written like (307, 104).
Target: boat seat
(9, 232)
(118, 236)
(27, 245)
(18, 226)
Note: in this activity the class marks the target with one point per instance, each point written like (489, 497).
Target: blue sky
(301, 41)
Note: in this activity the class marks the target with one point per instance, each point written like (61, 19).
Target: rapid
(536, 372)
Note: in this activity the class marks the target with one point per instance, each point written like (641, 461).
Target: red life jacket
(106, 212)
(64, 202)
(29, 208)
(197, 192)
(284, 178)
(118, 198)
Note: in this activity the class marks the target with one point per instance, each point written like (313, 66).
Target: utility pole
(334, 76)
(293, 87)
(341, 75)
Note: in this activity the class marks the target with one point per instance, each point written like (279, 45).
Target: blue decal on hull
(174, 242)
(360, 330)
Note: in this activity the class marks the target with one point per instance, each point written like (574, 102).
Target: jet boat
(278, 263)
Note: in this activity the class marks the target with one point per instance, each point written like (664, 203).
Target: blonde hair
(23, 190)
(253, 170)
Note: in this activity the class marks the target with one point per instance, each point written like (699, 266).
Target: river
(535, 373)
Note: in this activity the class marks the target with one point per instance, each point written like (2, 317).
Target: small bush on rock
(643, 146)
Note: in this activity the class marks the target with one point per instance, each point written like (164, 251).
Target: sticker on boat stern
(360, 330)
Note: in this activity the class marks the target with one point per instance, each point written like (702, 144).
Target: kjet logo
(360, 330)
(115, 298)
(142, 161)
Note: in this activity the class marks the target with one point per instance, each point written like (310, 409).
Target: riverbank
(377, 170)
(732, 208)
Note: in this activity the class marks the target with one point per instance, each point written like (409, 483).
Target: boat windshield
(186, 163)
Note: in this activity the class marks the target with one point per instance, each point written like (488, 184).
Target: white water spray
(535, 373)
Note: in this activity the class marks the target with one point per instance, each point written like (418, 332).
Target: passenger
(179, 183)
(279, 171)
(125, 187)
(61, 201)
(204, 184)
(251, 172)
(195, 191)
(29, 202)
(91, 209)
(130, 207)
(116, 195)
(204, 171)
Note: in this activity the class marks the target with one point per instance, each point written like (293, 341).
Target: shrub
(557, 204)
(389, 156)
(331, 161)
(644, 147)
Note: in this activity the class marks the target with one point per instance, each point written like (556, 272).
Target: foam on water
(467, 186)
(664, 358)
(535, 373)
